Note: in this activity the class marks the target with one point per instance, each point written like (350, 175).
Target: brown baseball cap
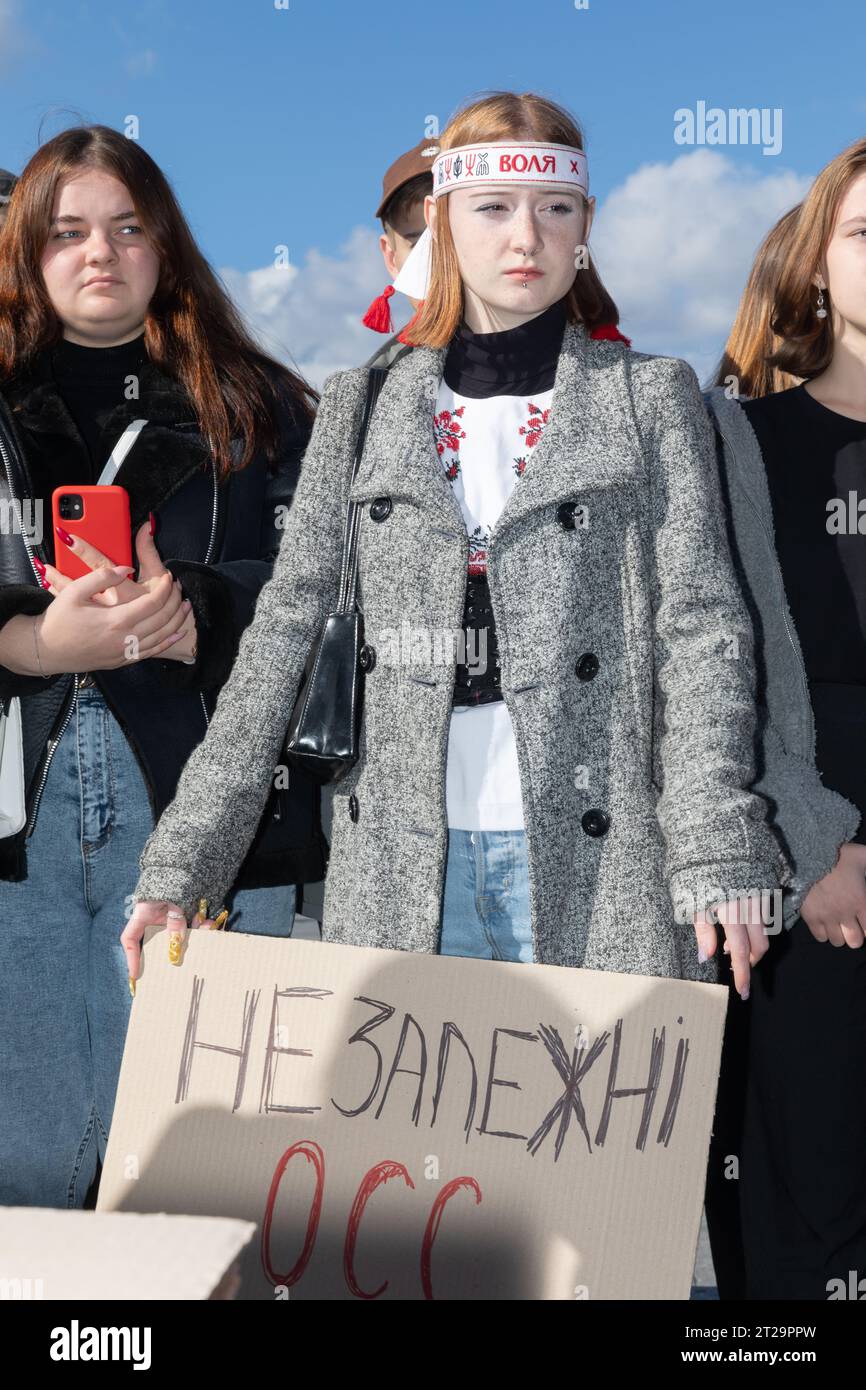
(7, 183)
(418, 160)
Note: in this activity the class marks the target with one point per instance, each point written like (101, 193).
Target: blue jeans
(64, 991)
(485, 907)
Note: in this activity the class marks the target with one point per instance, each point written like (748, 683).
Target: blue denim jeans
(64, 991)
(485, 907)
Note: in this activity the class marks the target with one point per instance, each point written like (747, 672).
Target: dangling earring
(821, 312)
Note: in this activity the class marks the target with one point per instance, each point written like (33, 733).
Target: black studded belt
(478, 676)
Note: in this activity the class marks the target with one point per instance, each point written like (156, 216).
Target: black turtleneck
(513, 362)
(92, 382)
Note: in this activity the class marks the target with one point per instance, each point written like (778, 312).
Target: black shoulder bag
(325, 725)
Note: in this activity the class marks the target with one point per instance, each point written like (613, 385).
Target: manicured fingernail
(220, 920)
(202, 908)
(132, 986)
(152, 519)
(64, 535)
(744, 993)
(702, 955)
(39, 565)
(174, 944)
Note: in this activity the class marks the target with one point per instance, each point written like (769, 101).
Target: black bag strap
(349, 567)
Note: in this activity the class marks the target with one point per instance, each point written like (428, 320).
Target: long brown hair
(807, 342)
(500, 116)
(751, 341)
(193, 332)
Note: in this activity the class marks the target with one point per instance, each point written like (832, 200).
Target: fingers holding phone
(76, 632)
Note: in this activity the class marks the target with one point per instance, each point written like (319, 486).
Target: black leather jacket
(219, 538)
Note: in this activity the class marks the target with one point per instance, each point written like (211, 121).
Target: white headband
(504, 161)
(527, 161)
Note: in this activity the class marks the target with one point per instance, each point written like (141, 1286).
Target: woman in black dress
(790, 1137)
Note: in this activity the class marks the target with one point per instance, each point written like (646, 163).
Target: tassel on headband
(378, 316)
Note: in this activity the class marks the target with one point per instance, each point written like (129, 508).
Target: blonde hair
(500, 116)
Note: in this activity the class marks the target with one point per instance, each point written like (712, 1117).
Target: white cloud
(310, 315)
(674, 244)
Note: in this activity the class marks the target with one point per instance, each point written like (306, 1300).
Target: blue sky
(275, 126)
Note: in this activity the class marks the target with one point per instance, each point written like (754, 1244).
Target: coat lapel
(161, 461)
(589, 442)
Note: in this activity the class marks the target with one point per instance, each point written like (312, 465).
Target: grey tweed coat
(655, 751)
(811, 821)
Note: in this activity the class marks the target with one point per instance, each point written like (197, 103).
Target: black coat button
(367, 657)
(595, 822)
(565, 515)
(353, 807)
(587, 666)
(380, 508)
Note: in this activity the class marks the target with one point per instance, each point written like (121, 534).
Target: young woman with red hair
(571, 785)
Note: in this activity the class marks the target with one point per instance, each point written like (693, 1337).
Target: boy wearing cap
(401, 211)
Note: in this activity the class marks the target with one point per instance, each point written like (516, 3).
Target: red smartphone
(98, 514)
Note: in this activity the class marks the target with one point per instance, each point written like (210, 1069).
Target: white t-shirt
(484, 445)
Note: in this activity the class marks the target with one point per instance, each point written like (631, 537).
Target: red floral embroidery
(448, 434)
(532, 430)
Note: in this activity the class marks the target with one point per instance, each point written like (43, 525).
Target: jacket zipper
(52, 748)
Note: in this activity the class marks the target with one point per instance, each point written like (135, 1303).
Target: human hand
(141, 618)
(834, 909)
(146, 914)
(746, 942)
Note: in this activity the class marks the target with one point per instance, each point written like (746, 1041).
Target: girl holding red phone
(110, 314)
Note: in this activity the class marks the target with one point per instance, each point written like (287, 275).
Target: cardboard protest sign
(73, 1254)
(415, 1126)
